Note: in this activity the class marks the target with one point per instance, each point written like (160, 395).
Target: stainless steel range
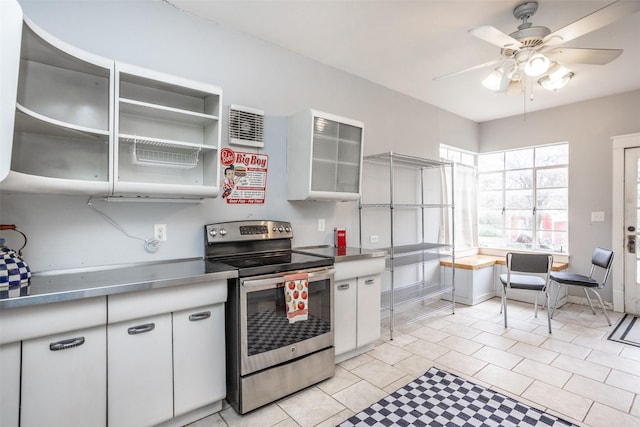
(279, 312)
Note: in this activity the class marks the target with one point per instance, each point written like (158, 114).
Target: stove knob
(287, 229)
(274, 229)
(280, 229)
(213, 232)
(223, 231)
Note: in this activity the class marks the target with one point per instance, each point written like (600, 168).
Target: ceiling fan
(532, 52)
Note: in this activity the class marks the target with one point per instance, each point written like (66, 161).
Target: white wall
(588, 127)
(64, 232)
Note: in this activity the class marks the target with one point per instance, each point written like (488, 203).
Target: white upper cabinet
(168, 135)
(324, 157)
(61, 132)
(83, 124)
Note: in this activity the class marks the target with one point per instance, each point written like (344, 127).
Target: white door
(632, 231)
(140, 373)
(64, 379)
(198, 358)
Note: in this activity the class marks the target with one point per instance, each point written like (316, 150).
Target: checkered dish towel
(296, 296)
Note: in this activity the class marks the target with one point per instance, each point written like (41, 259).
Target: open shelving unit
(420, 210)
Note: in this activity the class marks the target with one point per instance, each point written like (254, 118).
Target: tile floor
(575, 372)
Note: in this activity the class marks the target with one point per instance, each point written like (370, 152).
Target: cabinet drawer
(156, 301)
(47, 319)
(360, 268)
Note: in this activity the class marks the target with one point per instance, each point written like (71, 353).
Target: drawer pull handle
(65, 344)
(369, 282)
(199, 316)
(343, 287)
(141, 329)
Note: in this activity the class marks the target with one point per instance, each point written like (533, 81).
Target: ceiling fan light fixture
(493, 80)
(537, 65)
(557, 81)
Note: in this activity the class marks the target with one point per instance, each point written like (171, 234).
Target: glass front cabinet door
(324, 157)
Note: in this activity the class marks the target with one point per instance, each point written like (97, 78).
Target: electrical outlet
(597, 216)
(160, 232)
(373, 239)
(321, 224)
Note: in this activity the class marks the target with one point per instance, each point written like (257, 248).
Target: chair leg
(547, 298)
(555, 303)
(535, 311)
(589, 300)
(504, 305)
(604, 310)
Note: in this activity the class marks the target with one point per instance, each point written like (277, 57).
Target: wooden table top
(475, 262)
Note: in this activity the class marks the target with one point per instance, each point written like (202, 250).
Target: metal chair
(529, 272)
(603, 260)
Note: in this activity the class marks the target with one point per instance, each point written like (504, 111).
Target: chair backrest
(529, 263)
(602, 258)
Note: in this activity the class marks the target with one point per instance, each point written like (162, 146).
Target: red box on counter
(340, 237)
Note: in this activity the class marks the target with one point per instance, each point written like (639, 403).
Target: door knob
(631, 243)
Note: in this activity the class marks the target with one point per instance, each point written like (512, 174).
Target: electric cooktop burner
(257, 248)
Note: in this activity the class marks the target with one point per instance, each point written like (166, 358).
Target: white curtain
(465, 199)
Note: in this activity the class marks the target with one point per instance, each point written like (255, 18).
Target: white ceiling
(404, 44)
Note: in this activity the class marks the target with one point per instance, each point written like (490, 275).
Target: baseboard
(583, 301)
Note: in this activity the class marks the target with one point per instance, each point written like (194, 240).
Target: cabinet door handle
(65, 344)
(369, 282)
(199, 316)
(141, 329)
(343, 287)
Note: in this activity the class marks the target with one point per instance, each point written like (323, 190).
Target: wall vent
(246, 126)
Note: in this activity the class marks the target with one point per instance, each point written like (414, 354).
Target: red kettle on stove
(15, 274)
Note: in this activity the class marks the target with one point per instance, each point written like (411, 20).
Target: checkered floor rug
(439, 398)
(627, 331)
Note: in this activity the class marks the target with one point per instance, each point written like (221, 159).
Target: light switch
(597, 216)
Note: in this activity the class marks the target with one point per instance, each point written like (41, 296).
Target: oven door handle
(271, 281)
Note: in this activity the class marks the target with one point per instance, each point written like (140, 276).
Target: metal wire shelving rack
(423, 297)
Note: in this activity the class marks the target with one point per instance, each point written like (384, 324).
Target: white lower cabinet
(64, 379)
(357, 315)
(10, 384)
(345, 314)
(140, 371)
(368, 325)
(198, 358)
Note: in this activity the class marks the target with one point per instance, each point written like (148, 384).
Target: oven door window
(267, 325)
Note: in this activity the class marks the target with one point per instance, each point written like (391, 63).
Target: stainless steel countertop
(342, 254)
(66, 285)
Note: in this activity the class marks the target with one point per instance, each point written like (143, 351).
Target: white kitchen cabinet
(346, 315)
(166, 354)
(140, 371)
(77, 123)
(10, 384)
(59, 385)
(324, 157)
(473, 285)
(199, 372)
(357, 306)
(64, 379)
(61, 129)
(168, 135)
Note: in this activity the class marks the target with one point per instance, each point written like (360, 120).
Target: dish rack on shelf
(147, 152)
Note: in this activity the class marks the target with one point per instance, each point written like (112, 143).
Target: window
(523, 198)
(457, 156)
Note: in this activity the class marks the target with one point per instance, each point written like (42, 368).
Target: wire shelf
(164, 156)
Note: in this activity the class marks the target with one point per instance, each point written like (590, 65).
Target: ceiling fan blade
(598, 19)
(494, 36)
(570, 55)
(476, 67)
